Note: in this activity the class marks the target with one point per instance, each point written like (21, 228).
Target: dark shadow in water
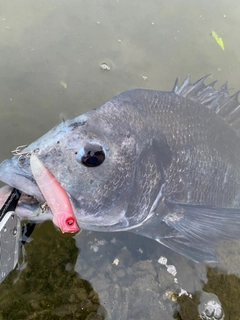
(188, 308)
(49, 288)
(123, 268)
(117, 277)
(225, 287)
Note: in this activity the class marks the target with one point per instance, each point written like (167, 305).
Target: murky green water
(50, 66)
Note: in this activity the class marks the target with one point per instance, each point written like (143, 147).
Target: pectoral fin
(192, 230)
(192, 250)
(200, 228)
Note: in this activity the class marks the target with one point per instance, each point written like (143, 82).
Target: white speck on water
(104, 66)
(98, 22)
(11, 99)
(162, 260)
(145, 77)
(101, 242)
(168, 295)
(116, 261)
(94, 248)
(119, 40)
(113, 240)
(184, 293)
(224, 16)
(212, 310)
(172, 270)
(140, 250)
(153, 23)
(63, 84)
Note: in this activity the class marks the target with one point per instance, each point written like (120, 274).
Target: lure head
(65, 222)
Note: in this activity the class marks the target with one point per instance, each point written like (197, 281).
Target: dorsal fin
(220, 101)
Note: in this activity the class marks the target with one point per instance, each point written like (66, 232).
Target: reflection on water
(110, 276)
(51, 64)
(48, 287)
(130, 284)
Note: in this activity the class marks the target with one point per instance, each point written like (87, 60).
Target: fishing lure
(56, 197)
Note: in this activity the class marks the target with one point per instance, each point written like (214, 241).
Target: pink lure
(56, 197)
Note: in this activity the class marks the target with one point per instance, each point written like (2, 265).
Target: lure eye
(69, 221)
(92, 155)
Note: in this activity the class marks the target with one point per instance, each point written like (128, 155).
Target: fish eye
(92, 155)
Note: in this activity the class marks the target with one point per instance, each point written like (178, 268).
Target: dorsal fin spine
(219, 100)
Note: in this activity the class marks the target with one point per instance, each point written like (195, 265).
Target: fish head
(110, 172)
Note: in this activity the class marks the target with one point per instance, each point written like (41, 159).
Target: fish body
(161, 164)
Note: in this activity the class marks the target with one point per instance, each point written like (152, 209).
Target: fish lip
(13, 175)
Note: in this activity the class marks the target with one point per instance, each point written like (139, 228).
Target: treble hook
(17, 152)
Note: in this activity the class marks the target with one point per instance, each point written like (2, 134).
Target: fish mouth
(32, 204)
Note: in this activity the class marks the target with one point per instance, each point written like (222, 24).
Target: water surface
(50, 66)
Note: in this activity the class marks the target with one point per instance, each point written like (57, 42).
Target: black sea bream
(165, 165)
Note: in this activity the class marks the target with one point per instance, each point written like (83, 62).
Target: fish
(161, 164)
